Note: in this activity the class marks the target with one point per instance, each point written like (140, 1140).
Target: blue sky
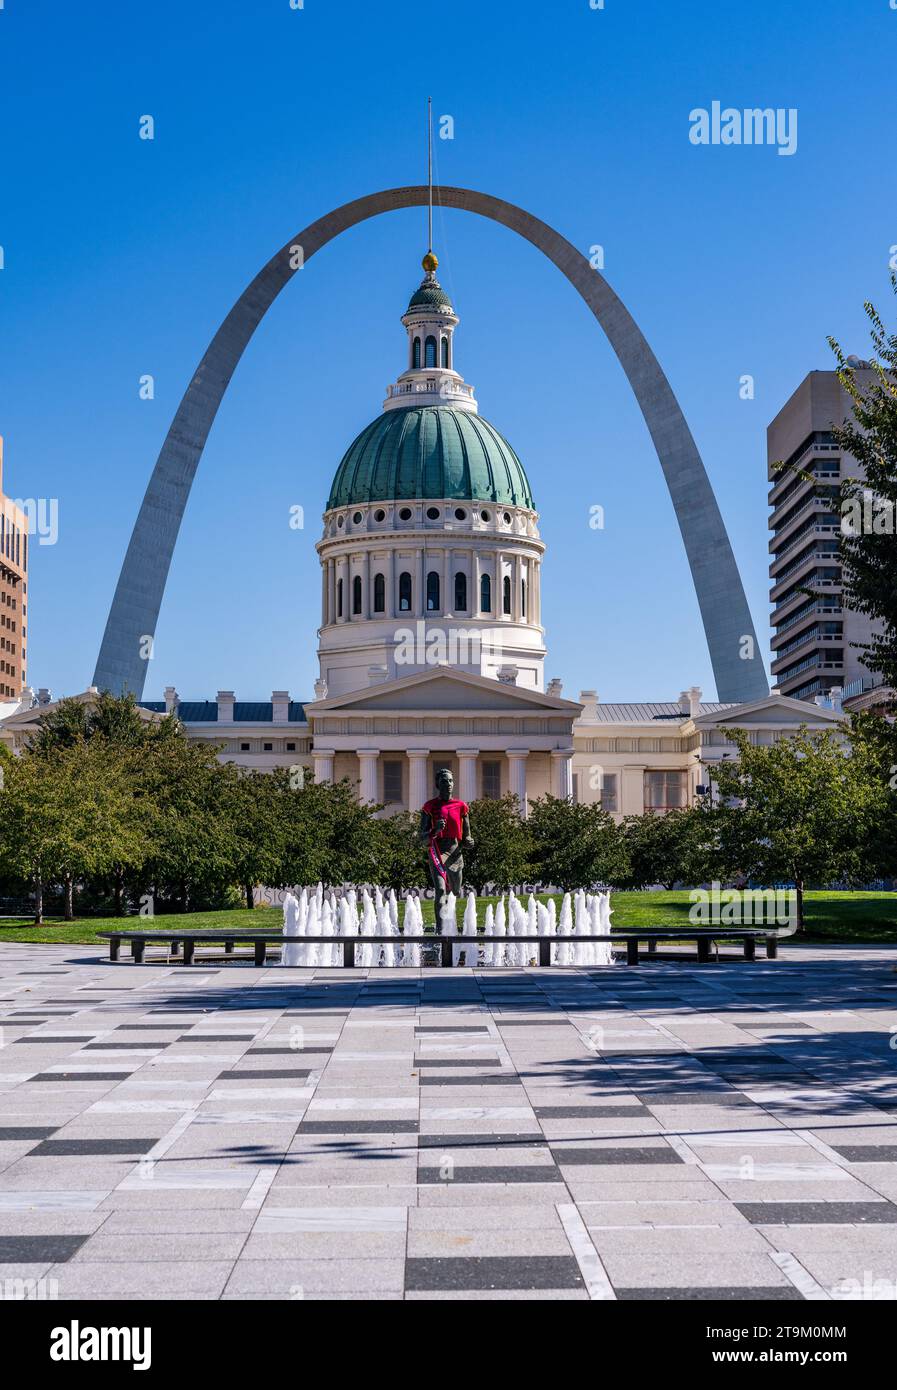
(122, 256)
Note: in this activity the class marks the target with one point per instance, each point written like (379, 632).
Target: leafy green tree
(676, 847)
(874, 743)
(331, 836)
(798, 810)
(501, 849)
(68, 815)
(400, 859)
(258, 804)
(189, 799)
(118, 719)
(575, 846)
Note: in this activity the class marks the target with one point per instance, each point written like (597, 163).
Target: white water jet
(564, 949)
(290, 955)
(488, 947)
(499, 952)
(471, 951)
(368, 928)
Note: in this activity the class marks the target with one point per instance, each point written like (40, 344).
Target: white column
(562, 772)
(323, 764)
(367, 758)
(418, 782)
(498, 587)
(390, 609)
(467, 773)
(419, 602)
(475, 579)
(365, 585)
(447, 598)
(517, 775)
(516, 577)
(331, 592)
(342, 573)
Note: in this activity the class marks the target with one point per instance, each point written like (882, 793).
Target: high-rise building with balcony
(813, 632)
(13, 593)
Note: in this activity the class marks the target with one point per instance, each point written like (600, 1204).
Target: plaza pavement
(670, 1131)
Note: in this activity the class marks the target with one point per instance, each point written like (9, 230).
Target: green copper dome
(430, 295)
(430, 451)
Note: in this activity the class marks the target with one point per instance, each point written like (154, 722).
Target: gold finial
(429, 261)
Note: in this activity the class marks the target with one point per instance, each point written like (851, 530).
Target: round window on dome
(340, 521)
(379, 514)
(460, 514)
(357, 519)
(507, 518)
(484, 516)
(433, 513)
(405, 514)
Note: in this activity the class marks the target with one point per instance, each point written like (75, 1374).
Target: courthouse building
(431, 646)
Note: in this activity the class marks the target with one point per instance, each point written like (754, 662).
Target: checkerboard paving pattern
(666, 1132)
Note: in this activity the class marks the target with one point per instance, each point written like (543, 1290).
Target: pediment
(443, 689)
(773, 709)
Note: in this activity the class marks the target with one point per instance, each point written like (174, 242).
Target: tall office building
(812, 629)
(13, 593)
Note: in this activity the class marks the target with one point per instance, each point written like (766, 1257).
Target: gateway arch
(127, 640)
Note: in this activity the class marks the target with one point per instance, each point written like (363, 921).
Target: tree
(798, 810)
(189, 796)
(500, 854)
(116, 718)
(67, 815)
(400, 855)
(331, 836)
(874, 742)
(575, 846)
(258, 805)
(673, 848)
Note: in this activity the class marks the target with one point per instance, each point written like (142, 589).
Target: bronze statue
(445, 826)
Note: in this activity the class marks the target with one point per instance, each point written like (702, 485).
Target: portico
(497, 738)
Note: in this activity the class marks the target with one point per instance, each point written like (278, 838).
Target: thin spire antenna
(430, 173)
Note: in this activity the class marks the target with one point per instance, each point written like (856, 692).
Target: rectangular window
(392, 782)
(244, 747)
(291, 747)
(267, 747)
(664, 791)
(492, 781)
(609, 792)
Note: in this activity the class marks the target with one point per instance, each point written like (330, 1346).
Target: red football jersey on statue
(452, 812)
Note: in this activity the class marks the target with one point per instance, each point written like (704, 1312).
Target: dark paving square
(489, 1173)
(589, 1112)
(286, 1073)
(746, 1294)
(358, 1127)
(867, 1153)
(512, 1079)
(33, 1250)
(492, 1272)
(66, 1148)
(615, 1155)
(81, 1076)
(481, 1141)
(18, 1132)
(817, 1213)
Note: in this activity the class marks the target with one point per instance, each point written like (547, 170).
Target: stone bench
(184, 943)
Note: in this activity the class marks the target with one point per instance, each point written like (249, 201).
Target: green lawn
(869, 917)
